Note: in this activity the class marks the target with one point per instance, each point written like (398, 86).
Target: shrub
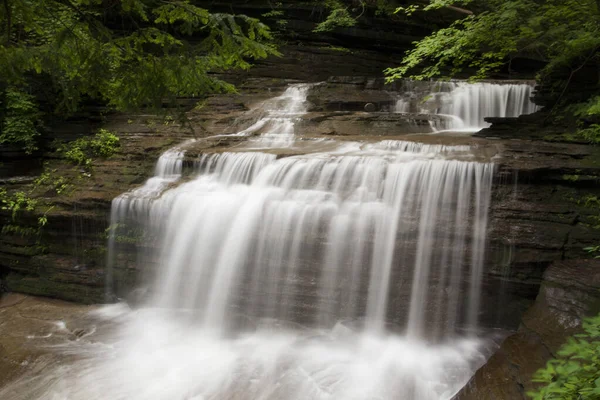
(575, 374)
(19, 122)
(81, 151)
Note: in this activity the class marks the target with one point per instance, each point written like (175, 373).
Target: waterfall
(351, 239)
(402, 106)
(276, 124)
(247, 232)
(467, 103)
(134, 205)
(351, 271)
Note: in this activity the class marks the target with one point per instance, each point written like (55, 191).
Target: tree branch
(573, 72)
(465, 11)
(455, 8)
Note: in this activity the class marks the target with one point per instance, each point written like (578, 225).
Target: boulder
(570, 291)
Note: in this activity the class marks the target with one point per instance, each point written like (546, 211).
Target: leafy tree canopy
(125, 53)
(562, 36)
(562, 33)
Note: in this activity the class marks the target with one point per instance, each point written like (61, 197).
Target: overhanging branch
(464, 10)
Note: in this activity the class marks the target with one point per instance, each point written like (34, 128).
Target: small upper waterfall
(276, 122)
(467, 103)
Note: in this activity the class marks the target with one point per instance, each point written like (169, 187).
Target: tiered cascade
(350, 271)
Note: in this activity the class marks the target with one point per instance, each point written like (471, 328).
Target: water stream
(352, 271)
(466, 104)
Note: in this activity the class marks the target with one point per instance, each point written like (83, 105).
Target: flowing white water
(272, 231)
(276, 123)
(344, 274)
(134, 204)
(151, 354)
(467, 103)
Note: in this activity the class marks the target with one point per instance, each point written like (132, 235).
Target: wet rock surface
(29, 326)
(570, 291)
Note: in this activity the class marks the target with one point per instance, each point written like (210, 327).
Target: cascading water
(467, 104)
(133, 205)
(341, 274)
(256, 234)
(277, 122)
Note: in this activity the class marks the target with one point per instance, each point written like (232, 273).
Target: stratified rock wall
(570, 291)
(66, 258)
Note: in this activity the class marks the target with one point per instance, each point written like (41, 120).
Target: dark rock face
(351, 93)
(372, 124)
(370, 107)
(66, 258)
(570, 291)
(543, 209)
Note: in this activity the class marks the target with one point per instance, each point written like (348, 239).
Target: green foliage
(346, 13)
(104, 143)
(561, 32)
(410, 9)
(61, 184)
(594, 250)
(18, 230)
(75, 154)
(591, 133)
(584, 114)
(277, 16)
(338, 49)
(81, 151)
(19, 119)
(575, 374)
(16, 203)
(128, 54)
(273, 13)
(590, 108)
(339, 16)
(572, 178)
(590, 201)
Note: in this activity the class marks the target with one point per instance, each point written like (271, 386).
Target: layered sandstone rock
(570, 291)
